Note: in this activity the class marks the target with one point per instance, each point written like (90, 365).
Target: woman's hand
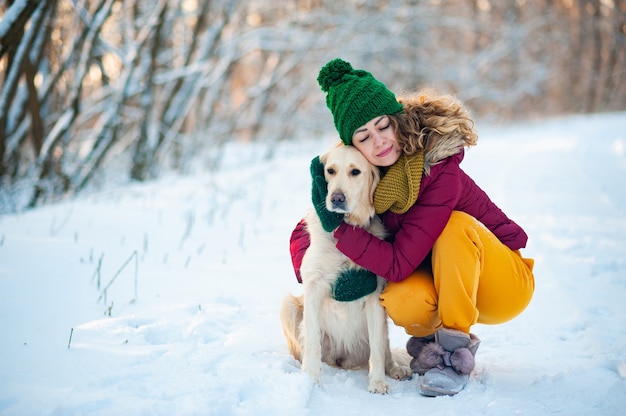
(353, 284)
(330, 220)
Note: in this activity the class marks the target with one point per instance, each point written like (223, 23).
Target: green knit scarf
(398, 189)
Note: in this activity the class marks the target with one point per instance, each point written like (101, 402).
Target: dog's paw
(317, 378)
(379, 387)
(314, 372)
(400, 372)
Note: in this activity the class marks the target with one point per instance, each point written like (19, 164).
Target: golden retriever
(349, 335)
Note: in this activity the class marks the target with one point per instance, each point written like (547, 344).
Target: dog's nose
(338, 199)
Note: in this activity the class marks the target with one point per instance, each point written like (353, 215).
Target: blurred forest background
(93, 89)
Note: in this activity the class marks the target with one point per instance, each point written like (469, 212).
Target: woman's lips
(385, 152)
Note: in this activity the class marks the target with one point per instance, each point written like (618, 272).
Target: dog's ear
(324, 156)
(375, 176)
(374, 179)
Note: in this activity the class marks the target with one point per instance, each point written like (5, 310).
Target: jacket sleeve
(298, 244)
(480, 206)
(422, 224)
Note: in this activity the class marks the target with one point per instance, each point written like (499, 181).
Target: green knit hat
(354, 97)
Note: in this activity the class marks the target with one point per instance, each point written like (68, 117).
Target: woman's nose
(378, 139)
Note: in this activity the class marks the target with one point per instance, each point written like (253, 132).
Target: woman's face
(376, 140)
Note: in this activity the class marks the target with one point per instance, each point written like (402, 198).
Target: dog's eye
(330, 171)
(355, 172)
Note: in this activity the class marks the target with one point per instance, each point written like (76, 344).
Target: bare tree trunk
(20, 12)
(16, 42)
(142, 155)
(595, 86)
(48, 159)
(615, 89)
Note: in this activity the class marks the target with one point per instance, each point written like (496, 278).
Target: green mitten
(330, 220)
(353, 284)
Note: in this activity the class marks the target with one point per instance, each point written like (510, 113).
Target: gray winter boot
(450, 359)
(414, 347)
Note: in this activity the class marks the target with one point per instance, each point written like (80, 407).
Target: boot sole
(435, 392)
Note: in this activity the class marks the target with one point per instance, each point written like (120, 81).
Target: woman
(452, 259)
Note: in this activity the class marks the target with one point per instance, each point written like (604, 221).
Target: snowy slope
(196, 268)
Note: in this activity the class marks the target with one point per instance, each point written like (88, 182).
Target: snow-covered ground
(162, 298)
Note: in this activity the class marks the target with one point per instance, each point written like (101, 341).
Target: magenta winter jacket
(413, 234)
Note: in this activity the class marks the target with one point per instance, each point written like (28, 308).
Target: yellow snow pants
(472, 278)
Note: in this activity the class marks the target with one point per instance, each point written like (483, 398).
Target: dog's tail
(291, 315)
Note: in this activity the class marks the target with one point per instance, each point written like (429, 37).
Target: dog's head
(351, 184)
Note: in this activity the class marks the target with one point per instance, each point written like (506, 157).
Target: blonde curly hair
(430, 118)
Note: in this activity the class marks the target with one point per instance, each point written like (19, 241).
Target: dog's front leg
(379, 345)
(312, 332)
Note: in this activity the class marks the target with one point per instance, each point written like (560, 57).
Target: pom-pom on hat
(354, 97)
